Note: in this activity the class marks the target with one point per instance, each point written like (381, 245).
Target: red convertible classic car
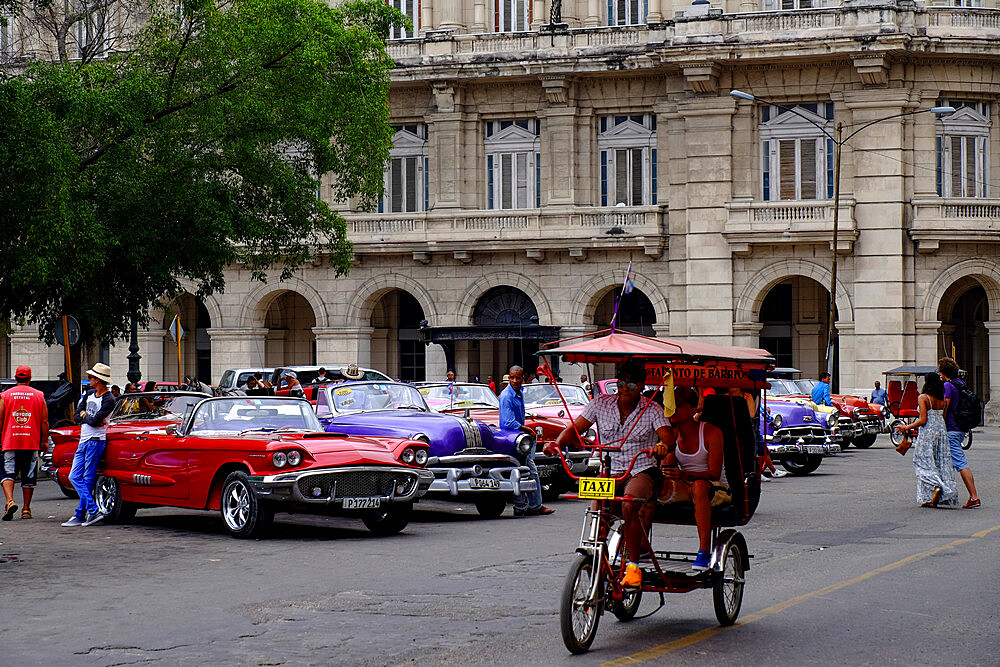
(250, 456)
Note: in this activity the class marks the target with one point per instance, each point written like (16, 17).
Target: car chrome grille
(357, 484)
(473, 436)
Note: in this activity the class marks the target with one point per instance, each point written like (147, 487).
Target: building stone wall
(711, 248)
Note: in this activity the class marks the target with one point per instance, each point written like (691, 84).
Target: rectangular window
(962, 143)
(797, 155)
(402, 190)
(511, 183)
(628, 170)
(405, 180)
(653, 165)
(627, 12)
(6, 36)
(786, 169)
(411, 9)
(91, 40)
(511, 15)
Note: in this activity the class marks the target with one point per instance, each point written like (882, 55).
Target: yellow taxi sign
(342, 392)
(597, 488)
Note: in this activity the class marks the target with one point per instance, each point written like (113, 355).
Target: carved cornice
(873, 68)
(557, 88)
(702, 77)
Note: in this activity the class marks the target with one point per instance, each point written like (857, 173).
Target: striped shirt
(603, 411)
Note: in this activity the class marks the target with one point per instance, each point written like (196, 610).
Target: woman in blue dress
(936, 485)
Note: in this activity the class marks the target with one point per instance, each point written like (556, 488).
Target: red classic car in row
(247, 457)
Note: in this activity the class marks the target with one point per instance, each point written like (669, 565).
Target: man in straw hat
(92, 413)
(24, 419)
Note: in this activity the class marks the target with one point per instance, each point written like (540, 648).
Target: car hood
(554, 410)
(792, 413)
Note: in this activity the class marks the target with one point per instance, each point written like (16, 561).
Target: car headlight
(420, 457)
(539, 433)
(776, 421)
(279, 459)
(885, 411)
(408, 456)
(294, 457)
(831, 419)
(524, 443)
(856, 413)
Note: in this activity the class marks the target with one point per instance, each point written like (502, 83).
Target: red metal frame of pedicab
(683, 359)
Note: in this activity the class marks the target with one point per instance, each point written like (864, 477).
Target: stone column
(538, 16)
(882, 286)
(436, 363)
(450, 13)
(654, 15)
(706, 182)
(927, 342)
(746, 334)
(924, 153)
(993, 399)
(559, 138)
(231, 348)
(593, 14)
(848, 345)
(426, 15)
(453, 174)
(479, 16)
(344, 345)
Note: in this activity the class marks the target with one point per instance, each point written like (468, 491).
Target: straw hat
(102, 372)
(352, 372)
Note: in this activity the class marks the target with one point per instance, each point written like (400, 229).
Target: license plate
(362, 503)
(479, 483)
(814, 449)
(596, 488)
(546, 472)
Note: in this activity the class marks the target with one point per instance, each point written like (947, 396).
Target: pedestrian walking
(880, 395)
(24, 426)
(92, 414)
(932, 462)
(512, 418)
(956, 435)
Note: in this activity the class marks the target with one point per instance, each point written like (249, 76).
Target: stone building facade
(533, 162)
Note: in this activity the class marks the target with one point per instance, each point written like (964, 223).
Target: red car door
(160, 466)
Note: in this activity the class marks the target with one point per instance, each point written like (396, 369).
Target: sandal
(972, 504)
(936, 498)
(26, 513)
(8, 513)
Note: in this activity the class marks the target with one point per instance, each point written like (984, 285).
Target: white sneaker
(74, 521)
(94, 519)
(779, 473)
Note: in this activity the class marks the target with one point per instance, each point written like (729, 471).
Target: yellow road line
(701, 635)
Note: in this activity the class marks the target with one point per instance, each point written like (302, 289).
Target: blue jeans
(955, 439)
(84, 472)
(530, 499)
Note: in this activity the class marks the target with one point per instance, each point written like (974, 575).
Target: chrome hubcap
(105, 495)
(236, 506)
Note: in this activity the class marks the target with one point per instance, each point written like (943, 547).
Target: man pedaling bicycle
(624, 419)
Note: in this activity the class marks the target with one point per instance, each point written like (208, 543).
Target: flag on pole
(669, 402)
(627, 288)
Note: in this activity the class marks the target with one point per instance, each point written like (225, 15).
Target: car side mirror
(171, 429)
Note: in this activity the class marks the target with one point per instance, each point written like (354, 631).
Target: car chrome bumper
(318, 486)
(458, 481)
(822, 449)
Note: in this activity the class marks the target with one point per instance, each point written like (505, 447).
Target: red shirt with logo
(23, 407)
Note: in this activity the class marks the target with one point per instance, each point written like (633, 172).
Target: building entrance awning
(450, 334)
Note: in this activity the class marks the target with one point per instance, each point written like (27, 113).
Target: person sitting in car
(693, 470)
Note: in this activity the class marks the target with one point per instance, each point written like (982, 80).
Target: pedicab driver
(693, 470)
(617, 416)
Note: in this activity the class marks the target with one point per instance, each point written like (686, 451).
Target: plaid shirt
(603, 411)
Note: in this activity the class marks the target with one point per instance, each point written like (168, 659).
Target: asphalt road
(847, 570)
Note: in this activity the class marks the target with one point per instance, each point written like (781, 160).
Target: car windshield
(243, 414)
(545, 394)
(153, 406)
(455, 396)
(806, 386)
(783, 387)
(367, 396)
(334, 375)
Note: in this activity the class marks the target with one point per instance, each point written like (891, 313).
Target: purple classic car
(797, 437)
(471, 461)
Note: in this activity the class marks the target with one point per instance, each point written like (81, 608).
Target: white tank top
(697, 462)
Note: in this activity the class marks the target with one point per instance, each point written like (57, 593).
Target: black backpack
(968, 409)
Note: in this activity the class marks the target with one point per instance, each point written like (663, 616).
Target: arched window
(505, 306)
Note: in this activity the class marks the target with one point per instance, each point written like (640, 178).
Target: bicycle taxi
(901, 385)
(592, 584)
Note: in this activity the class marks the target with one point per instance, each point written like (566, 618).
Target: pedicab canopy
(692, 363)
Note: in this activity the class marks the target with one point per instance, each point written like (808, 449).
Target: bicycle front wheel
(580, 607)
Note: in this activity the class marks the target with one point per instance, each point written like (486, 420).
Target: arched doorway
(963, 312)
(508, 319)
(397, 348)
(290, 340)
(635, 312)
(794, 316)
(196, 346)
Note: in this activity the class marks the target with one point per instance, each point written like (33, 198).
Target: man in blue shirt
(821, 392)
(512, 418)
(952, 385)
(880, 395)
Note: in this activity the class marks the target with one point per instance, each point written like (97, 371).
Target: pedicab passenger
(615, 416)
(693, 470)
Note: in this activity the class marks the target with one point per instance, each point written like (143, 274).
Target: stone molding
(252, 315)
(522, 282)
(750, 299)
(985, 272)
(362, 305)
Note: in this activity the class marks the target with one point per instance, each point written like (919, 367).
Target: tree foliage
(195, 150)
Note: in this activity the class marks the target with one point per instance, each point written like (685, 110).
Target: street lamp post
(134, 375)
(838, 140)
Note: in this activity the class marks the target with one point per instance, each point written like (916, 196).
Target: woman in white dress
(936, 485)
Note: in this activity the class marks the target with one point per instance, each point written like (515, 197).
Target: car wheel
(388, 520)
(243, 514)
(108, 497)
(801, 464)
(491, 508)
(865, 441)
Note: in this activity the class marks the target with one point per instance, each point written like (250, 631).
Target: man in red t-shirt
(24, 426)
